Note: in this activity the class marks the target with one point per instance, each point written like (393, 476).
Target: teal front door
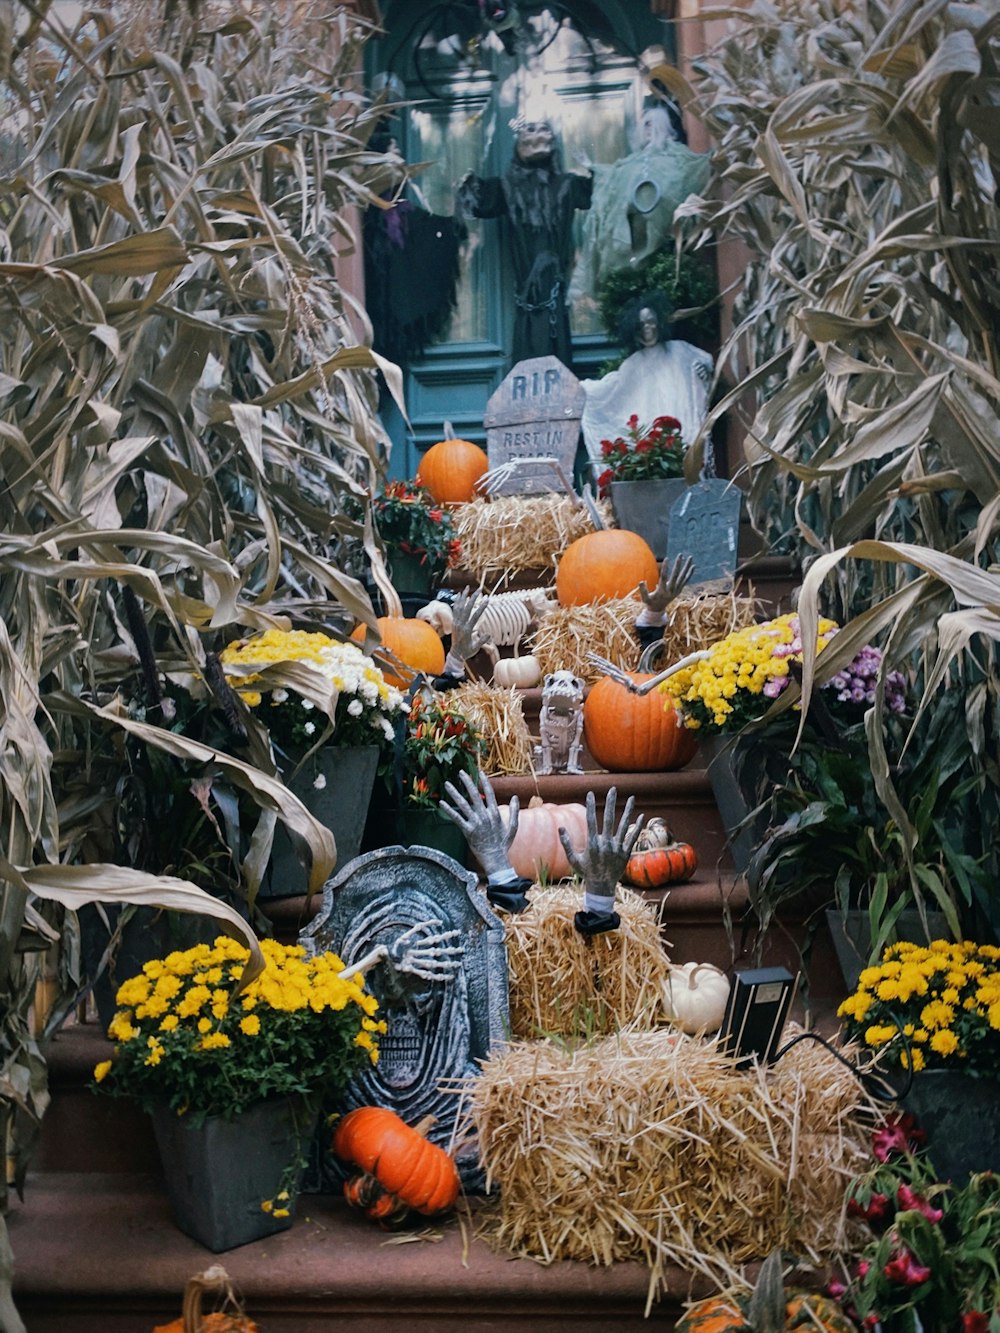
(465, 90)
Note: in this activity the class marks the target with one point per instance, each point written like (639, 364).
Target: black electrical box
(758, 1005)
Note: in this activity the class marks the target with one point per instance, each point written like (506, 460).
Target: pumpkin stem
(700, 968)
(449, 431)
(422, 1127)
(214, 1279)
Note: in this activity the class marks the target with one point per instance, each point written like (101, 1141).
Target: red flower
(667, 423)
(899, 1134)
(836, 1290)
(870, 1321)
(643, 446)
(905, 1270)
(975, 1322)
(863, 1267)
(435, 515)
(876, 1210)
(607, 447)
(633, 422)
(910, 1201)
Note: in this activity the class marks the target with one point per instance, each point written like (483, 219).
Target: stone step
(98, 1253)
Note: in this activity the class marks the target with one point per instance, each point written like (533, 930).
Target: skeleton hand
(476, 813)
(601, 863)
(435, 957)
(466, 612)
(670, 585)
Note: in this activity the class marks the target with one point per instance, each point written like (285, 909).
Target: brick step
(98, 1253)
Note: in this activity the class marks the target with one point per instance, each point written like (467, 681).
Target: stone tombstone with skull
(415, 922)
(560, 723)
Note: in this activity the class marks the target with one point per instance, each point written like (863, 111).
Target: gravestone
(444, 1016)
(534, 416)
(705, 525)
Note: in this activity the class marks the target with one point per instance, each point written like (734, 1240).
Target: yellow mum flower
(944, 1042)
(215, 1041)
(101, 1071)
(250, 1025)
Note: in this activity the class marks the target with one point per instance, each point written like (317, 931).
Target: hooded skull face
(535, 142)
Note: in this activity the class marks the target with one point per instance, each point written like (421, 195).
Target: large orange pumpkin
(628, 732)
(536, 849)
(451, 468)
(610, 563)
(399, 1168)
(413, 641)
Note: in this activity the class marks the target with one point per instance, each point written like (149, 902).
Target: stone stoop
(99, 1253)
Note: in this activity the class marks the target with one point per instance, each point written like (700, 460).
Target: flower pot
(850, 933)
(421, 827)
(644, 507)
(219, 1173)
(411, 577)
(335, 784)
(959, 1115)
(717, 752)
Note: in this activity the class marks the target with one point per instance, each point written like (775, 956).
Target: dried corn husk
(497, 713)
(567, 635)
(561, 982)
(653, 1146)
(517, 532)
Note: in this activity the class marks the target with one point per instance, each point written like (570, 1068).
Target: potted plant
(644, 476)
(330, 715)
(933, 1013)
(439, 743)
(233, 1078)
(927, 1260)
(419, 536)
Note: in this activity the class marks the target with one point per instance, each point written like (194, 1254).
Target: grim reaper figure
(538, 200)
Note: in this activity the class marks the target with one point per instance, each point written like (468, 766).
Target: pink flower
(899, 1134)
(863, 1267)
(910, 1201)
(836, 1290)
(905, 1270)
(975, 1322)
(875, 1210)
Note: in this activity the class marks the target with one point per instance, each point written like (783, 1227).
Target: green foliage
(931, 1256)
(410, 521)
(688, 282)
(440, 744)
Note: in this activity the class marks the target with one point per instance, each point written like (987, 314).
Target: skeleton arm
(433, 957)
(617, 674)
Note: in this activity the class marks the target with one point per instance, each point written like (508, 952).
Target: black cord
(866, 1080)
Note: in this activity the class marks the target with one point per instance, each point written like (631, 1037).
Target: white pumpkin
(521, 671)
(695, 996)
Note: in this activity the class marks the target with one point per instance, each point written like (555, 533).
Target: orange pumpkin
(536, 849)
(810, 1310)
(413, 641)
(610, 563)
(628, 733)
(717, 1314)
(399, 1169)
(451, 468)
(214, 1282)
(656, 866)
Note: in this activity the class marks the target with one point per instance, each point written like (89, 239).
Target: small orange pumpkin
(214, 1281)
(609, 563)
(536, 849)
(628, 733)
(413, 641)
(717, 1314)
(451, 468)
(399, 1169)
(656, 866)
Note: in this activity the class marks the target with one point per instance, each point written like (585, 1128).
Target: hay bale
(653, 1146)
(497, 713)
(517, 532)
(562, 983)
(697, 620)
(566, 635)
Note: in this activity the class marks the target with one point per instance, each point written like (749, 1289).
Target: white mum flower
(309, 728)
(319, 782)
(355, 708)
(279, 696)
(308, 705)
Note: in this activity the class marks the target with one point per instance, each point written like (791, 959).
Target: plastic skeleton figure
(560, 723)
(617, 674)
(428, 957)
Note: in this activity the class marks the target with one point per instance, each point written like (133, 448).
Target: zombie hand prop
(601, 862)
(672, 580)
(478, 816)
(466, 639)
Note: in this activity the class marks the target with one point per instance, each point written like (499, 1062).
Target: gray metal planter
(220, 1172)
(644, 507)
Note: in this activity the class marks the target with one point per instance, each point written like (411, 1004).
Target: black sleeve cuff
(596, 923)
